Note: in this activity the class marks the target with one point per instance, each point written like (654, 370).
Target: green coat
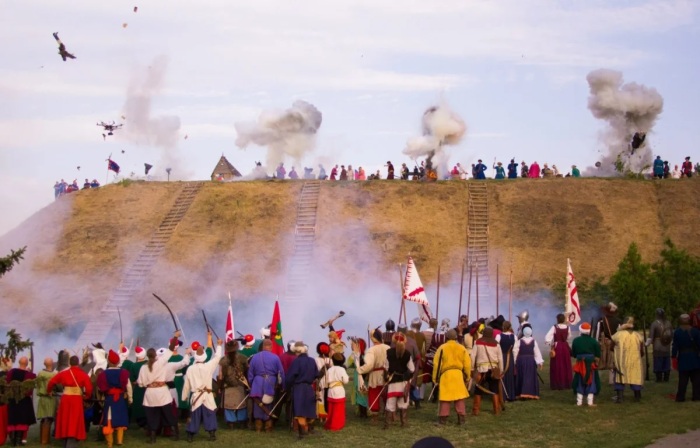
(137, 411)
(46, 405)
(585, 345)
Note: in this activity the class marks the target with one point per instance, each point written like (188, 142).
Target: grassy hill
(241, 234)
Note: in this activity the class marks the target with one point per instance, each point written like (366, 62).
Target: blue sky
(515, 71)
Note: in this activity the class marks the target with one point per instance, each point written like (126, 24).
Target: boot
(667, 376)
(110, 439)
(496, 405)
(619, 396)
(637, 396)
(477, 405)
(176, 433)
(14, 437)
(442, 421)
(310, 427)
(374, 419)
(268, 426)
(461, 419)
(303, 431)
(363, 411)
(120, 436)
(212, 436)
(589, 399)
(45, 434)
(417, 402)
(151, 437)
(388, 418)
(579, 399)
(258, 425)
(295, 425)
(659, 376)
(403, 416)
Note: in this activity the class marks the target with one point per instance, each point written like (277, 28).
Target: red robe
(70, 417)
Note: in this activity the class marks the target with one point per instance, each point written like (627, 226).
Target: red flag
(573, 306)
(230, 333)
(276, 331)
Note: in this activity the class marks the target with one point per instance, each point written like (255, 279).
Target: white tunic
(156, 396)
(337, 377)
(198, 381)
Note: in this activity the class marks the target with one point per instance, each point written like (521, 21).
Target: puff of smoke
(627, 108)
(288, 133)
(441, 126)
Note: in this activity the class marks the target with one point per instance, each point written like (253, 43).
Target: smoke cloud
(288, 133)
(628, 108)
(441, 127)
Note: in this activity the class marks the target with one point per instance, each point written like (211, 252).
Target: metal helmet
(416, 323)
(390, 325)
(402, 328)
(522, 317)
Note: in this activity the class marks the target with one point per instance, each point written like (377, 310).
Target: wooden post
(461, 288)
(437, 301)
(477, 291)
(469, 292)
(497, 299)
(510, 298)
(402, 308)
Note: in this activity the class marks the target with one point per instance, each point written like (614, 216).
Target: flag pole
(510, 297)
(107, 176)
(402, 308)
(461, 288)
(497, 298)
(477, 290)
(437, 301)
(469, 290)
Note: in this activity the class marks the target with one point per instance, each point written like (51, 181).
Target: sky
(514, 71)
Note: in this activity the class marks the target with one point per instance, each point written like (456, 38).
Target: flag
(230, 333)
(276, 331)
(573, 306)
(413, 291)
(148, 167)
(112, 166)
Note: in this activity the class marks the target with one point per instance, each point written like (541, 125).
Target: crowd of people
(252, 381)
(63, 187)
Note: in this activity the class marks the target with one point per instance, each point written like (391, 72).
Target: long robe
(507, 343)
(263, 373)
(628, 357)
(20, 413)
(455, 367)
(197, 390)
(560, 374)
(358, 395)
(300, 377)
(70, 418)
(46, 405)
(137, 412)
(114, 384)
(232, 380)
(527, 359)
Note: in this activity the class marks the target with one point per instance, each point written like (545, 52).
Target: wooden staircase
(478, 240)
(101, 324)
(304, 236)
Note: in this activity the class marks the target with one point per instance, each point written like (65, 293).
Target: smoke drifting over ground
(441, 127)
(628, 108)
(142, 126)
(289, 133)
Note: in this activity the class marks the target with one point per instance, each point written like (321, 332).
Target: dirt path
(689, 439)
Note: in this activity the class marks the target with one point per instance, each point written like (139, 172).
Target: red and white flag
(573, 306)
(413, 291)
(230, 332)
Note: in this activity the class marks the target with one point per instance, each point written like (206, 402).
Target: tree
(8, 262)
(15, 344)
(676, 280)
(630, 285)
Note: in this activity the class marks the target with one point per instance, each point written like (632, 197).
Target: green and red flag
(276, 331)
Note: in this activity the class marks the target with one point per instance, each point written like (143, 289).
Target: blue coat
(264, 369)
(658, 166)
(686, 347)
(480, 171)
(300, 377)
(113, 383)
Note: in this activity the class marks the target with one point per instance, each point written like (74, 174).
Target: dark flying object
(62, 48)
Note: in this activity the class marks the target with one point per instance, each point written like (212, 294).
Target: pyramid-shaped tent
(224, 171)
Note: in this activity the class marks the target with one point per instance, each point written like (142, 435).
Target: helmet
(402, 328)
(660, 312)
(522, 317)
(390, 326)
(416, 323)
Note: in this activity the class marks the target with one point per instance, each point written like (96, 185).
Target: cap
(585, 328)
(113, 357)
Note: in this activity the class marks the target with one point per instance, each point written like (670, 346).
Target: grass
(553, 421)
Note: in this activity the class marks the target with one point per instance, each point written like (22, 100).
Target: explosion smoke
(628, 109)
(285, 133)
(441, 126)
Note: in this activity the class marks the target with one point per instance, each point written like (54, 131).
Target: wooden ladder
(478, 239)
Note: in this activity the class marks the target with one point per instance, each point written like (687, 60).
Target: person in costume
(323, 363)
(528, 360)
(265, 373)
(20, 404)
(437, 338)
(686, 346)
(46, 404)
(157, 401)
(138, 414)
(232, 378)
(287, 357)
(302, 373)
(337, 379)
(488, 365)
(507, 343)
(452, 368)
(5, 366)
(560, 364)
(399, 369)
(418, 336)
(607, 327)
(115, 385)
(197, 390)
(177, 379)
(70, 416)
(586, 351)
(388, 335)
(523, 321)
(250, 346)
(375, 358)
(336, 342)
(412, 349)
(628, 352)
(660, 338)
(359, 390)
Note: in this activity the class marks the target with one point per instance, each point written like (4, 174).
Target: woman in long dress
(507, 343)
(528, 360)
(560, 374)
(359, 390)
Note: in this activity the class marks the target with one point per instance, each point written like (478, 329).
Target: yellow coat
(628, 358)
(455, 369)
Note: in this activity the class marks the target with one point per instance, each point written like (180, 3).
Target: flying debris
(62, 48)
(136, 8)
(78, 167)
(109, 128)
(186, 136)
(148, 167)
(123, 151)
(637, 140)
(124, 25)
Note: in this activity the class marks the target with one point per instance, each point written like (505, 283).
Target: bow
(172, 315)
(121, 331)
(209, 328)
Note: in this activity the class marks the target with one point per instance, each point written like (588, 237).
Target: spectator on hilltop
(524, 170)
(351, 173)
(361, 174)
(658, 168)
(389, 170)
(94, 184)
(56, 190)
(480, 169)
(687, 168)
(575, 171)
(308, 173)
(321, 172)
(86, 184)
(676, 173)
(512, 169)
(416, 174)
(343, 173)
(404, 172)
(454, 173)
(334, 173)
(281, 172)
(500, 172)
(462, 172)
(667, 170)
(293, 174)
(534, 171)
(547, 171)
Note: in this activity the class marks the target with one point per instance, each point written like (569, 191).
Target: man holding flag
(232, 378)
(573, 306)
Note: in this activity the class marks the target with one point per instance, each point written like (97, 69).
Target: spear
(477, 290)
(497, 301)
(402, 308)
(510, 298)
(437, 301)
(469, 290)
(461, 287)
